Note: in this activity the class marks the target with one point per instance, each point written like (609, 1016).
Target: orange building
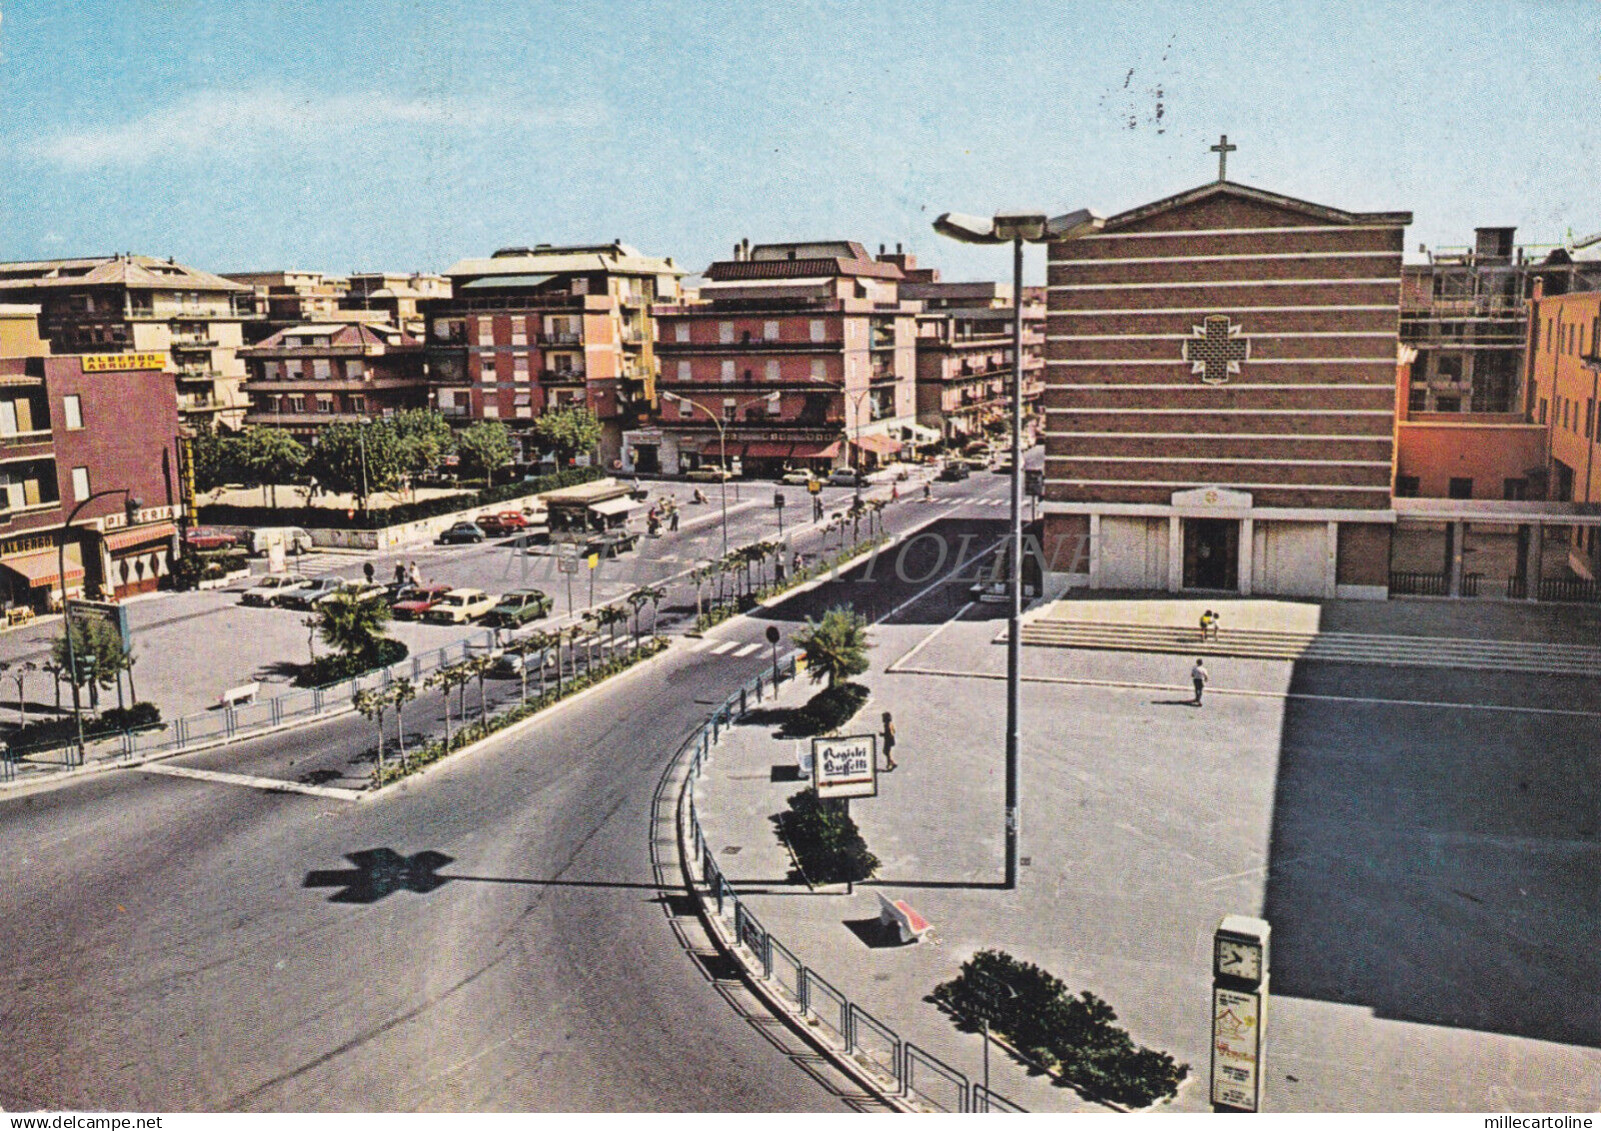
(1563, 386)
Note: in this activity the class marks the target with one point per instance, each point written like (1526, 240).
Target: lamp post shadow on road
(1015, 228)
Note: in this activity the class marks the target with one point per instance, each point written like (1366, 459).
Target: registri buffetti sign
(845, 767)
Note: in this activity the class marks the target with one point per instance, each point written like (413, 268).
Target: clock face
(1236, 958)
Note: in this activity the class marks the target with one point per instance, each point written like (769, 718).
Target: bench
(897, 913)
(244, 693)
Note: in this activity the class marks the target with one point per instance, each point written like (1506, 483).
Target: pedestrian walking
(1206, 623)
(672, 519)
(368, 570)
(928, 491)
(894, 493)
(1216, 621)
(416, 575)
(1198, 677)
(400, 573)
(889, 741)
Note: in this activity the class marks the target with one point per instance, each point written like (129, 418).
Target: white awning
(614, 506)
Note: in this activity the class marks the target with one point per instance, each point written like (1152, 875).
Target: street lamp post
(722, 448)
(131, 504)
(1015, 228)
(361, 436)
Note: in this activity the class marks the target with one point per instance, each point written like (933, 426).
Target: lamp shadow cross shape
(378, 872)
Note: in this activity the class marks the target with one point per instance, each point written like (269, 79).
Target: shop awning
(768, 449)
(882, 445)
(38, 568)
(922, 435)
(139, 536)
(711, 449)
(815, 451)
(613, 506)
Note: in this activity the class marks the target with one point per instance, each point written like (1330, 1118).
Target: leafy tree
(216, 458)
(360, 460)
(97, 648)
(401, 692)
(836, 646)
(268, 457)
(483, 447)
(352, 626)
(373, 704)
(423, 438)
(825, 840)
(448, 679)
(567, 431)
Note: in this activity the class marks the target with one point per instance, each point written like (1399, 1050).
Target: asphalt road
(504, 938)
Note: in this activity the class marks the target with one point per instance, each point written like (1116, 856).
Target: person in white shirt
(1198, 677)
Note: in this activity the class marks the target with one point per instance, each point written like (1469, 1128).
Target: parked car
(512, 663)
(294, 539)
(209, 538)
(460, 606)
(953, 472)
(271, 590)
(461, 532)
(307, 595)
(518, 608)
(845, 477)
(413, 602)
(797, 477)
(708, 475)
(506, 522)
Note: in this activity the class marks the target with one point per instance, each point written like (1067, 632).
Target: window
(1406, 486)
(491, 412)
(819, 369)
(1589, 417)
(486, 331)
(290, 370)
(728, 371)
(355, 369)
(770, 331)
(519, 367)
(685, 410)
(486, 373)
(297, 403)
(1570, 338)
(817, 330)
(1460, 488)
(319, 368)
(519, 332)
(1544, 405)
(72, 411)
(80, 483)
(1447, 404)
(686, 371)
(725, 332)
(681, 332)
(358, 402)
(772, 369)
(1514, 489)
(325, 404)
(1418, 401)
(730, 408)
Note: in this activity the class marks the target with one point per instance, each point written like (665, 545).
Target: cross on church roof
(1223, 149)
(1217, 349)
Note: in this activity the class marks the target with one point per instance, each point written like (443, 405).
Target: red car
(209, 538)
(506, 522)
(415, 602)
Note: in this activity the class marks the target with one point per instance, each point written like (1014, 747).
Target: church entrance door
(1212, 554)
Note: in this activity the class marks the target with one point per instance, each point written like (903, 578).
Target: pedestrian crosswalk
(732, 649)
(945, 502)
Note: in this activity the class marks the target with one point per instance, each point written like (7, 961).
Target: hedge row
(220, 514)
(56, 732)
(437, 748)
(717, 614)
(336, 668)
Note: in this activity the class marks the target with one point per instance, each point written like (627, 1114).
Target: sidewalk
(1146, 820)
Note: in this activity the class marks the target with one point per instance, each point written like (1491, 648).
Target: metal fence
(900, 1067)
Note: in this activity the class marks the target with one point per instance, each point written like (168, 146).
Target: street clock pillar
(1239, 1012)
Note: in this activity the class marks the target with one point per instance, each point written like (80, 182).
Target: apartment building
(306, 377)
(531, 329)
(796, 355)
(71, 426)
(964, 356)
(394, 297)
(289, 298)
(144, 305)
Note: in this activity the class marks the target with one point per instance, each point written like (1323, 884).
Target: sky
(398, 135)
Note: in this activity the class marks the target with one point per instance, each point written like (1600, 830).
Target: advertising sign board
(845, 767)
(1236, 1048)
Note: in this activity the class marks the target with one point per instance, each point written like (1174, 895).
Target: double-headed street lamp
(131, 505)
(1016, 228)
(722, 445)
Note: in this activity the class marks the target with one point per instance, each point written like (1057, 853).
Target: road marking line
(1129, 685)
(745, 651)
(271, 785)
(725, 646)
(699, 645)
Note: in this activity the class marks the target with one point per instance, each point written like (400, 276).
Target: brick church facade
(1220, 397)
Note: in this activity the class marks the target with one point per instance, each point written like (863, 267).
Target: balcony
(563, 339)
(562, 376)
(193, 341)
(38, 444)
(195, 373)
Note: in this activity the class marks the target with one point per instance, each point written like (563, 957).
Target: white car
(272, 589)
(460, 606)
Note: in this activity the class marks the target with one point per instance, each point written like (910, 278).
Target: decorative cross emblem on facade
(1216, 350)
(1223, 149)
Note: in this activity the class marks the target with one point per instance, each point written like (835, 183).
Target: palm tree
(593, 619)
(401, 692)
(524, 648)
(351, 626)
(654, 594)
(480, 666)
(574, 633)
(19, 673)
(698, 575)
(372, 705)
(637, 601)
(448, 678)
(836, 646)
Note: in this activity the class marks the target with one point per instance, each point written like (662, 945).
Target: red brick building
(71, 426)
(804, 352)
(1220, 384)
(306, 377)
(530, 329)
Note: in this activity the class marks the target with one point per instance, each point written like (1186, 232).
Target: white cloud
(212, 124)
